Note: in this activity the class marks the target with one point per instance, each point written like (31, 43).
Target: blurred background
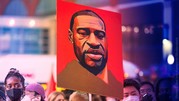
(150, 31)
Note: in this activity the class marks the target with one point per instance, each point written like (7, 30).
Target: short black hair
(132, 82)
(84, 12)
(148, 83)
(14, 73)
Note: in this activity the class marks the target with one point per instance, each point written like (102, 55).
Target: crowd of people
(14, 89)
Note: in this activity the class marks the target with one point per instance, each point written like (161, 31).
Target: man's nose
(93, 41)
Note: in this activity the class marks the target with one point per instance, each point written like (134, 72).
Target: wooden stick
(90, 97)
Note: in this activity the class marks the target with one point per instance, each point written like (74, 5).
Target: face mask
(131, 98)
(14, 94)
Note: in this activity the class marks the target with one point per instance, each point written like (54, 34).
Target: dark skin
(13, 82)
(90, 43)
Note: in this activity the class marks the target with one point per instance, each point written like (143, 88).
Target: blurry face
(32, 96)
(90, 43)
(130, 91)
(60, 98)
(13, 82)
(147, 89)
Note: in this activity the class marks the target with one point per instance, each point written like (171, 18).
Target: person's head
(147, 88)
(35, 92)
(67, 93)
(14, 85)
(78, 96)
(131, 90)
(96, 97)
(163, 89)
(88, 34)
(56, 96)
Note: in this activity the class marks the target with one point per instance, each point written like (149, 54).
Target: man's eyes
(134, 94)
(126, 95)
(99, 34)
(15, 86)
(83, 31)
(142, 91)
(149, 90)
(8, 86)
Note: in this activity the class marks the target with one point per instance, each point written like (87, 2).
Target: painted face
(13, 82)
(90, 42)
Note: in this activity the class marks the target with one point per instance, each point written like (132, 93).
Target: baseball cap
(35, 87)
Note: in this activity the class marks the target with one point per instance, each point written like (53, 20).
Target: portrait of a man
(88, 36)
(88, 70)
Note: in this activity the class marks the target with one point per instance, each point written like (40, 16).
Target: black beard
(94, 70)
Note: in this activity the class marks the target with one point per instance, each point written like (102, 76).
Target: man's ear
(70, 35)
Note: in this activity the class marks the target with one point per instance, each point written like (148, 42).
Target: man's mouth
(94, 57)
